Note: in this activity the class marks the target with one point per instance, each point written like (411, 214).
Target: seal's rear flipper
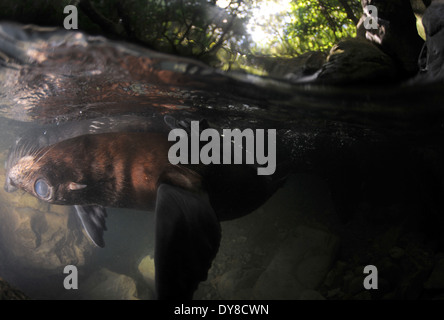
(187, 240)
(93, 220)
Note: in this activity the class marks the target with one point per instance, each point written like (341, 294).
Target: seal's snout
(9, 187)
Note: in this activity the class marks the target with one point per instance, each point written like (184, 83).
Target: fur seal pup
(39, 137)
(132, 170)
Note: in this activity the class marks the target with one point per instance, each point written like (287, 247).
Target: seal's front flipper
(187, 240)
(93, 220)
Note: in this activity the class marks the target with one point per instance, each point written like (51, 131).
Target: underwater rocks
(33, 238)
(277, 252)
(7, 292)
(296, 270)
(432, 57)
(386, 54)
(299, 266)
(357, 60)
(298, 254)
(293, 68)
(436, 279)
(238, 283)
(108, 285)
(38, 236)
(408, 268)
(147, 269)
(396, 33)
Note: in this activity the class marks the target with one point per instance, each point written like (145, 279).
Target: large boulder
(358, 61)
(432, 57)
(395, 33)
(385, 50)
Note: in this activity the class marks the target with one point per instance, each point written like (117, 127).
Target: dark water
(366, 184)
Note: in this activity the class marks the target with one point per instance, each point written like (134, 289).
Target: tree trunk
(349, 11)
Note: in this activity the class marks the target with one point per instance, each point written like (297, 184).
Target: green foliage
(196, 28)
(295, 27)
(317, 24)
(218, 32)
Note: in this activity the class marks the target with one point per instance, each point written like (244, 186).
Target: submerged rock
(107, 285)
(436, 279)
(147, 269)
(7, 292)
(353, 61)
(395, 33)
(298, 266)
(432, 57)
(238, 283)
(385, 50)
(34, 235)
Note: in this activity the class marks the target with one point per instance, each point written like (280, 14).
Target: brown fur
(118, 169)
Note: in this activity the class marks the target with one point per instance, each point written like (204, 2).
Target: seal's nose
(9, 187)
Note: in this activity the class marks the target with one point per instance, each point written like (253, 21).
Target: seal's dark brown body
(132, 170)
(124, 170)
(117, 170)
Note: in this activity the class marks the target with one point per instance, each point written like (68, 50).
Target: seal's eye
(41, 188)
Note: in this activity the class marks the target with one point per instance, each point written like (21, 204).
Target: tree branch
(349, 11)
(107, 25)
(327, 16)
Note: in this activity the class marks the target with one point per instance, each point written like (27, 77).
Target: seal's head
(22, 148)
(47, 177)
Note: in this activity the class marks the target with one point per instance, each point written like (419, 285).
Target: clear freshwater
(365, 186)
